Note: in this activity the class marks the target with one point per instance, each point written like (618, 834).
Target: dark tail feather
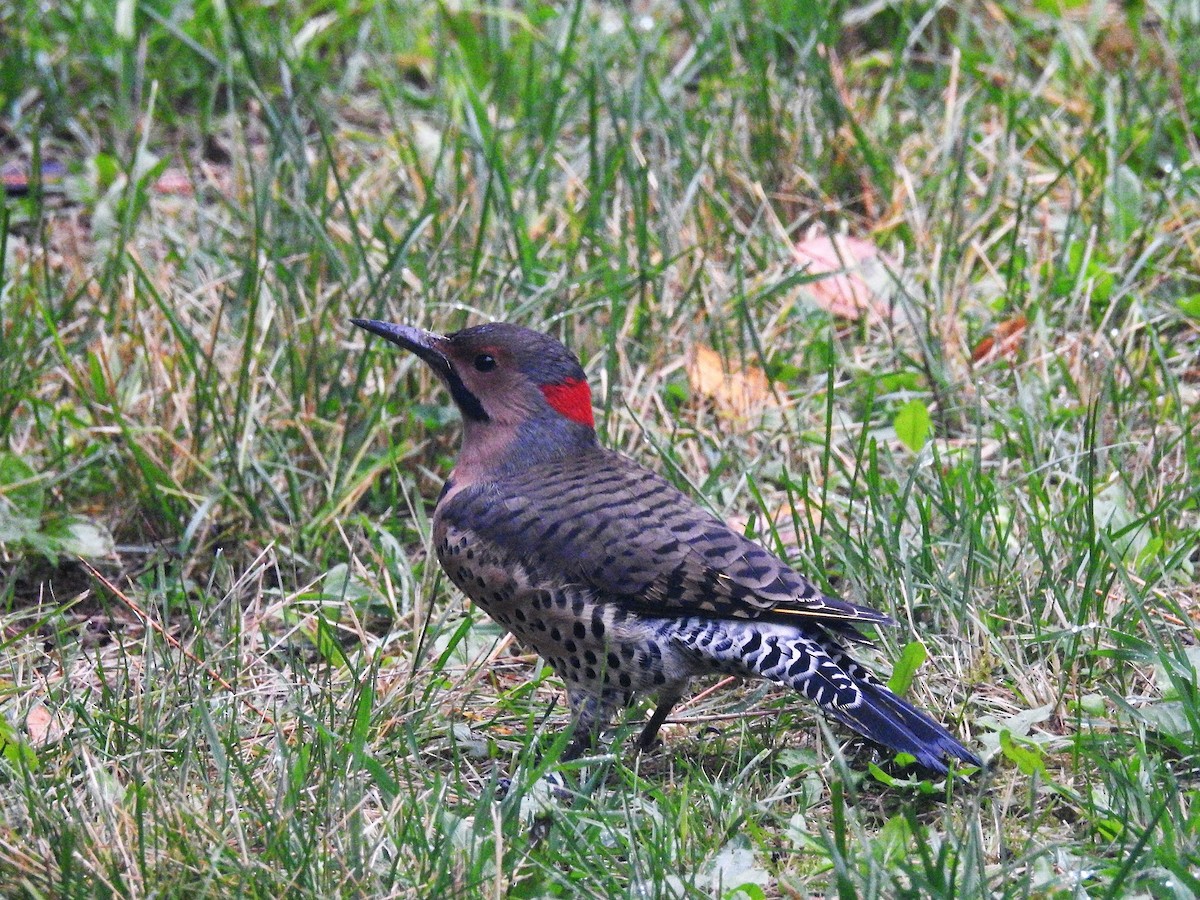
(886, 719)
(814, 662)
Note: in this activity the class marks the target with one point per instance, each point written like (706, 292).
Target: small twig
(703, 718)
(708, 691)
(154, 625)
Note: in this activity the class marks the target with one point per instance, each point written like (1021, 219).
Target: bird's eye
(485, 362)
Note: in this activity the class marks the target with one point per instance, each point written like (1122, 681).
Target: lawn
(909, 292)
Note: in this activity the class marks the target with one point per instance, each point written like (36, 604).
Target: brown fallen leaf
(1005, 340)
(43, 726)
(735, 392)
(1123, 37)
(174, 181)
(859, 278)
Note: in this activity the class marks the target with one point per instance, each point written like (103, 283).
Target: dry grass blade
(158, 628)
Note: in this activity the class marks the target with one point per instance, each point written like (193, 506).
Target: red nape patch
(573, 399)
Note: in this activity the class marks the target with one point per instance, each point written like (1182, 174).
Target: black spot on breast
(580, 630)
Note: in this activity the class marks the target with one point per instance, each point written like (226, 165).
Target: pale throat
(491, 448)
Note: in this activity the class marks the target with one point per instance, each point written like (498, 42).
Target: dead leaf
(1124, 37)
(736, 392)
(1004, 341)
(859, 278)
(174, 181)
(43, 726)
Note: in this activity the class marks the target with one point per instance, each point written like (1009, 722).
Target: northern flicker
(623, 584)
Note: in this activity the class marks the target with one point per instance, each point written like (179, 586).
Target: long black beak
(425, 344)
(432, 348)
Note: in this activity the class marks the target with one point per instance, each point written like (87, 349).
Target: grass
(268, 688)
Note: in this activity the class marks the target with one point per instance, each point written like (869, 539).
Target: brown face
(490, 372)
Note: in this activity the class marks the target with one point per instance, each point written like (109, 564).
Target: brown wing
(624, 531)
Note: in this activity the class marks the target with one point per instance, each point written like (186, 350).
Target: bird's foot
(645, 745)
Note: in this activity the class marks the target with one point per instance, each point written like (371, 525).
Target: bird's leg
(666, 702)
(581, 743)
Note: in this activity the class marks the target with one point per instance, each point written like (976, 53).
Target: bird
(623, 584)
